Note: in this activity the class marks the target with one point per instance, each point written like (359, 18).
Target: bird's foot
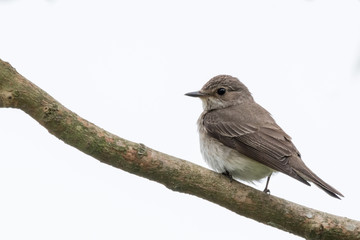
(228, 175)
(267, 191)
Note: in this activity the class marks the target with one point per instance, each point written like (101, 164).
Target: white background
(125, 66)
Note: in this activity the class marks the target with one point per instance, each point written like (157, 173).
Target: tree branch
(176, 174)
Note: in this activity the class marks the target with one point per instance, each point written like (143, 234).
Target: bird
(241, 140)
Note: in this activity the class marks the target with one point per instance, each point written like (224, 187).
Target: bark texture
(176, 174)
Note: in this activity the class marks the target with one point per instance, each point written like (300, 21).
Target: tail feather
(308, 175)
(332, 192)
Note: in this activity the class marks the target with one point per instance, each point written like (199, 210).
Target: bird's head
(222, 91)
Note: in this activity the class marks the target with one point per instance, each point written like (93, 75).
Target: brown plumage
(233, 121)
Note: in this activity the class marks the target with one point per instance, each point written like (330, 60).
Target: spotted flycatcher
(240, 139)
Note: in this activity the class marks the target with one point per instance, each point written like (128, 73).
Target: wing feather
(264, 142)
(252, 131)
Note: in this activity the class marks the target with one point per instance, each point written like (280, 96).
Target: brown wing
(252, 131)
(259, 138)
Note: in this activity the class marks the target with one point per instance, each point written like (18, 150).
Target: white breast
(222, 158)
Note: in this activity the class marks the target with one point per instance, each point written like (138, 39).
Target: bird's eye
(221, 91)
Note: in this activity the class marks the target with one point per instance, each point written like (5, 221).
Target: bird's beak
(195, 94)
